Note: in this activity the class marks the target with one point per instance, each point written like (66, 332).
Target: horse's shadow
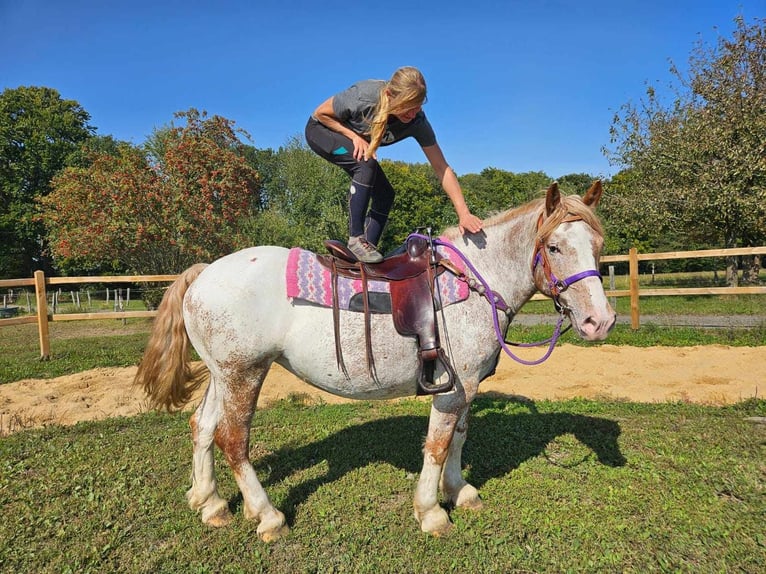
(498, 442)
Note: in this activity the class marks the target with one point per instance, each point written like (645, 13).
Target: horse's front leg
(453, 485)
(446, 410)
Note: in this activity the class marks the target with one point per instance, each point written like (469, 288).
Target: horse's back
(239, 301)
(246, 268)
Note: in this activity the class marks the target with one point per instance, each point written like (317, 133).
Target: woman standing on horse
(347, 130)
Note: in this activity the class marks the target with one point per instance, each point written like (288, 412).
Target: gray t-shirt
(355, 106)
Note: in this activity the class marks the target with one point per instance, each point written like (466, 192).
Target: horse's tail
(165, 372)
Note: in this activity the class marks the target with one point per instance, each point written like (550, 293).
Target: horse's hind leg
(203, 494)
(232, 436)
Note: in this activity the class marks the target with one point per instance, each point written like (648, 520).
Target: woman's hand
(325, 115)
(361, 146)
(469, 222)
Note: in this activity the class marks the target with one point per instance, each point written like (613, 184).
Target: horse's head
(565, 264)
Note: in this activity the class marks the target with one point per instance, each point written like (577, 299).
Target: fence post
(633, 270)
(42, 316)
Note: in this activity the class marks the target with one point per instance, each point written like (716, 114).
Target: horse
(236, 315)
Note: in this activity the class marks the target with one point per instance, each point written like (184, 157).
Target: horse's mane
(570, 206)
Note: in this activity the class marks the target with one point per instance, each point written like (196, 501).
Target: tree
(628, 222)
(155, 211)
(496, 190)
(420, 202)
(266, 163)
(575, 183)
(304, 198)
(489, 191)
(93, 146)
(699, 165)
(39, 131)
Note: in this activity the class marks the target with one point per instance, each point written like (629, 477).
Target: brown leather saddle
(410, 276)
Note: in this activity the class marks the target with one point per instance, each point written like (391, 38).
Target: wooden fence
(634, 292)
(43, 317)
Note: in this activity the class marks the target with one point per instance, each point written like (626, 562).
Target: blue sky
(517, 85)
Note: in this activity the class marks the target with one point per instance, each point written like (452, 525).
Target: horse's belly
(309, 352)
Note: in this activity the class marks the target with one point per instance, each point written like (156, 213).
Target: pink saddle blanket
(309, 280)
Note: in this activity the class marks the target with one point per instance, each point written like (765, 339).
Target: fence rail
(42, 317)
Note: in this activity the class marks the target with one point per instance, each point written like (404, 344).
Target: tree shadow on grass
(498, 443)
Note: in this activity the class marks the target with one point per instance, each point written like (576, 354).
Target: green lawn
(574, 486)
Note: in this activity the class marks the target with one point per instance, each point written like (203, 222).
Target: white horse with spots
(237, 316)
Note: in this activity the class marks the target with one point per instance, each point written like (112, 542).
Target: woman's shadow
(498, 442)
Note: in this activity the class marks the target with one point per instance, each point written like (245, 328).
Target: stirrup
(426, 386)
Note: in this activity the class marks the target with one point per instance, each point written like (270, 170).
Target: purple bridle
(556, 286)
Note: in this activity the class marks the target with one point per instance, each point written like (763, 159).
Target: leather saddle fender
(413, 317)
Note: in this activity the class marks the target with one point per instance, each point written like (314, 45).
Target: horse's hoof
(469, 498)
(443, 531)
(222, 517)
(272, 526)
(435, 522)
(474, 504)
(275, 534)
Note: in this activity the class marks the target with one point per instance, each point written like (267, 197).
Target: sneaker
(364, 250)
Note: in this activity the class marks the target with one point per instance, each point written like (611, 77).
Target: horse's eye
(553, 249)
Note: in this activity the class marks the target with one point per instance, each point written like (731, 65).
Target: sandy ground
(711, 375)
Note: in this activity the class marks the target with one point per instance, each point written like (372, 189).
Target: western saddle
(410, 274)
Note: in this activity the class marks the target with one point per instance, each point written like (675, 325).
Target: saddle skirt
(310, 281)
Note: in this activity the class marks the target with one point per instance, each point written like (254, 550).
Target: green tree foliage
(495, 189)
(575, 183)
(487, 191)
(266, 163)
(420, 202)
(93, 146)
(159, 209)
(624, 218)
(39, 132)
(304, 198)
(698, 165)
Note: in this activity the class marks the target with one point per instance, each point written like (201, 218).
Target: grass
(75, 346)
(649, 336)
(678, 305)
(574, 486)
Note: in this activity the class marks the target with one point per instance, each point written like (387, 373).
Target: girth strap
(367, 329)
(336, 319)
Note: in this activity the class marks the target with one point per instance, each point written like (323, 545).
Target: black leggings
(369, 185)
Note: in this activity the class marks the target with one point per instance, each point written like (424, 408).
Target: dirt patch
(713, 374)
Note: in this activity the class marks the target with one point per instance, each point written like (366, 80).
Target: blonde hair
(405, 90)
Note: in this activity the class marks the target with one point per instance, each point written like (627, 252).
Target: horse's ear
(552, 198)
(593, 195)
